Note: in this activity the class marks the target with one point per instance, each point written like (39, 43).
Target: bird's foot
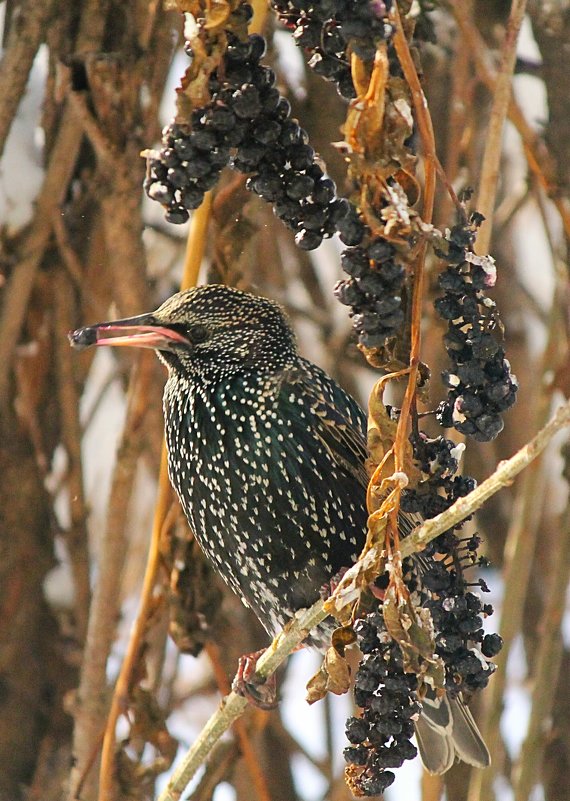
(260, 692)
(330, 586)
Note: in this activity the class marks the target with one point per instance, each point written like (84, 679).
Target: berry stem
(196, 242)
(423, 119)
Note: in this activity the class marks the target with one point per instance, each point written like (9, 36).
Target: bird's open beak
(133, 332)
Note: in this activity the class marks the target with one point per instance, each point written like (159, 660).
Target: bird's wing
(338, 425)
(337, 422)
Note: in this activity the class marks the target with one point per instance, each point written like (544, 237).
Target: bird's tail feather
(446, 730)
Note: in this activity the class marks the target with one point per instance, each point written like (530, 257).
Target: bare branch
(501, 101)
(92, 700)
(27, 29)
(548, 661)
(76, 537)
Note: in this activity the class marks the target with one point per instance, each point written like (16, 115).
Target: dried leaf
(149, 723)
(342, 637)
(381, 434)
(333, 676)
(205, 33)
(218, 13)
(412, 629)
(370, 564)
(398, 124)
(354, 581)
(353, 779)
(409, 184)
(193, 91)
(365, 118)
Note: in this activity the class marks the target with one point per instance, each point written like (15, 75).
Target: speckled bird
(266, 453)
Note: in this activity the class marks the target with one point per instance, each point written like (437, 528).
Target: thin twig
(494, 136)
(196, 247)
(234, 705)
(76, 536)
(539, 159)
(121, 692)
(196, 243)
(105, 607)
(502, 95)
(457, 118)
(70, 259)
(425, 127)
(224, 756)
(104, 149)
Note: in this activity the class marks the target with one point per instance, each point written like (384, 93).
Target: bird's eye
(198, 333)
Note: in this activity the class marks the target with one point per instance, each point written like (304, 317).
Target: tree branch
(493, 149)
(27, 29)
(548, 661)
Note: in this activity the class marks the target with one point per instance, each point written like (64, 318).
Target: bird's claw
(262, 693)
(330, 586)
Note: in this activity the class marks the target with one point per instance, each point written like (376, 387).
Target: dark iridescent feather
(284, 495)
(266, 453)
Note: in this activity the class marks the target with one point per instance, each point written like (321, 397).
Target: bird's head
(211, 331)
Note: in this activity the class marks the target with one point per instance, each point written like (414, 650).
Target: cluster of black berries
(457, 613)
(438, 459)
(193, 155)
(380, 738)
(328, 29)
(188, 164)
(480, 383)
(247, 124)
(283, 168)
(373, 291)
(287, 175)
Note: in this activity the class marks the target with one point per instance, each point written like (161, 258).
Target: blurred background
(84, 88)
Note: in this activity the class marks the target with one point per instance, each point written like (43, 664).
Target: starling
(266, 453)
